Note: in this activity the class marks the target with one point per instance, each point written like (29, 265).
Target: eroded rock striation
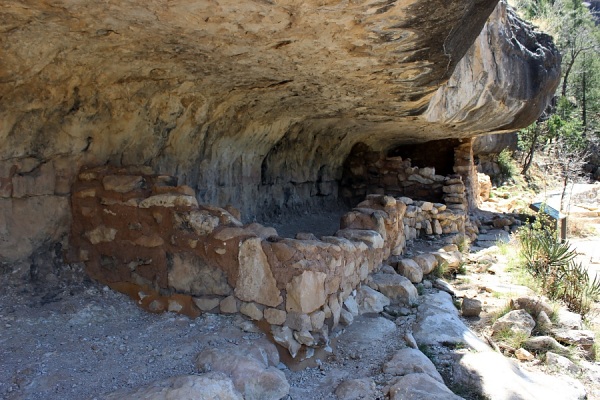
(255, 104)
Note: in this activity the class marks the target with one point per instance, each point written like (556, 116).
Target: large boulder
(438, 323)
(411, 361)
(516, 321)
(395, 287)
(251, 368)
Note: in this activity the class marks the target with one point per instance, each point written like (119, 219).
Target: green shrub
(441, 270)
(514, 339)
(552, 264)
(507, 165)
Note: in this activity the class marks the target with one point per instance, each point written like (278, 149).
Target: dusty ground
(85, 345)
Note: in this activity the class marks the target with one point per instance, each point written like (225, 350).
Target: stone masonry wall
(366, 172)
(141, 234)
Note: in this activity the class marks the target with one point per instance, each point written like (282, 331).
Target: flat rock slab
(366, 331)
(409, 361)
(211, 386)
(420, 387)
(438, 323)
(500, 378)
(493, 237)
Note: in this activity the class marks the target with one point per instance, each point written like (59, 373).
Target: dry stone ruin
(153, 142)
(144, 235)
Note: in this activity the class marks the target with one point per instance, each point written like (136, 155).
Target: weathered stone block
(298, 321)
(304, 337)
(206, 303)
(411, 270)
(306, 292)
(169, 200)
(252, 311)
(515, 321)
(284, 336)
(427, 262)
(101, 234)
(396, 288)
(191, 274)
(149, 241)
(122, 183)
(202, 222)
(470, 307)
(255, 280)
(371, 301)
(275, 316)
(317, 319)
(370, 237)
(229, 305)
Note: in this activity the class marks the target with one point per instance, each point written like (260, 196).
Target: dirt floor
(91, 343)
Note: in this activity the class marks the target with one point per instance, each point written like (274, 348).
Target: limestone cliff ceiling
(236, 97)
(368, 61)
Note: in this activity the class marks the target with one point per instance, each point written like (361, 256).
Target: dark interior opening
(438, 154)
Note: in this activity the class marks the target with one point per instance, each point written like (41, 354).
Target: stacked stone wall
(142, 234)
(367, 172)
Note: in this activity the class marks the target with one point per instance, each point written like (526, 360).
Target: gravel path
(90, 342)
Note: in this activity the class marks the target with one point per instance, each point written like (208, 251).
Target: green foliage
(420, 289)
(507, 166)
(577, 37)
(553, 265)
(442, 270)
(425, 349)
(526, 136)
(501, 312)
(514, 339)
(566, 125)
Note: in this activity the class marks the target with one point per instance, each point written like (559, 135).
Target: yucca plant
(545, 258)
(553, 264)
(577, 289)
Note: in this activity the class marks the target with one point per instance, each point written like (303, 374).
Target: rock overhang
(253, 103)
(147, 66)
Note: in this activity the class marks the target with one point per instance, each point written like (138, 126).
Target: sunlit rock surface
(252, 103)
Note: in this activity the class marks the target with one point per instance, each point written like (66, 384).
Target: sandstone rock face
(481, 77)
(255, 280)
(253, 104)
